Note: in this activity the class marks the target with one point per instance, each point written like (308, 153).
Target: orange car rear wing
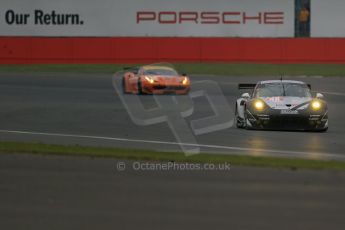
(134, 70)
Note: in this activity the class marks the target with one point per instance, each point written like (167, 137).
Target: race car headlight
(149, 80)
(315, 105)
(259, 105)
(185, 81)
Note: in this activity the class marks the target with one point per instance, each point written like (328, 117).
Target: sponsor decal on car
(288, 111)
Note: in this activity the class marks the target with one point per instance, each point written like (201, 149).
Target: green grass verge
(238, 69)
(274, 162)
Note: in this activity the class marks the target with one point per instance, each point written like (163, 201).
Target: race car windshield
(282, 89)
(165, 72)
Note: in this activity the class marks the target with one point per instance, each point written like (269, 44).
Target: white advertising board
(327, 18)
(152, 18)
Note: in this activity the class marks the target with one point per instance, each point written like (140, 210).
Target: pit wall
(44, 50)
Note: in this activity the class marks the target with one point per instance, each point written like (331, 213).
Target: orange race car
(155, 79)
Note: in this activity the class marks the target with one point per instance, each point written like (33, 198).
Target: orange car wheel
(140, 89)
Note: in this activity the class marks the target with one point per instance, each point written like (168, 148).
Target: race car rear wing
(246, 86)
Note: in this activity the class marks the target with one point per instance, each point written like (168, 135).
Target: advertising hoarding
(149, 18)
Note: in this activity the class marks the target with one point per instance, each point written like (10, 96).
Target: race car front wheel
(322, 130)
(140, 89)
(240, 123)
(246, 121)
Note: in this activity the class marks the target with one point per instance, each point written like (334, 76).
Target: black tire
(322, 130)
(246, 121)
(239, 125)
(140, 89)
(245, 124)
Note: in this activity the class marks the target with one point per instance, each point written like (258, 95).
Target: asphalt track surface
(86, 109)
(51, 192)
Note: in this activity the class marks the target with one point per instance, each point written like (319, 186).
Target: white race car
(281, 105)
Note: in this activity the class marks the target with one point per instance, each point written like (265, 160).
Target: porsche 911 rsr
(155, 79)
(281, 105)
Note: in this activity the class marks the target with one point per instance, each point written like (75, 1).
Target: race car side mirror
(245, 96)
(319, 95)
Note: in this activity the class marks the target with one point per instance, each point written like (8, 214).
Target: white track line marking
(253, 150)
